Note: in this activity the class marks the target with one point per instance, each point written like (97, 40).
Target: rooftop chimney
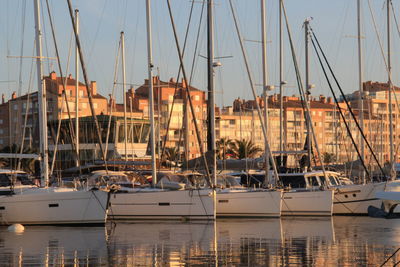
(14, 95)
(93, 86)
(3, 98)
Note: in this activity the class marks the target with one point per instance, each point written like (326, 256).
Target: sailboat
(299, 199)
(160, 203)
(238, 202)
(49, 205)
(354, 199)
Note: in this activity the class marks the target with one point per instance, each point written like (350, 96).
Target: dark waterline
(337, 241)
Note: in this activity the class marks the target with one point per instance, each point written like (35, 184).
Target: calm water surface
(337, 241)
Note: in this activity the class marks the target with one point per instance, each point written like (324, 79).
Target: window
(15, 106)
(84, 105)
(294, 181)
(94, 105)
(81, 93)
(1, 131)
(333, 180)
(313, 181)
(1, 121)
(197, 97)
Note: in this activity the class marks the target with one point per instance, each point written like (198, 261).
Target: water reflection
(337, 241)
(54, 246)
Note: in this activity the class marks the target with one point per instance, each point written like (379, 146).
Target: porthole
(346, 196)
(354, 195)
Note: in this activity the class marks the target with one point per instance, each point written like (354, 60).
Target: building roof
(60, 80)
(143, 89)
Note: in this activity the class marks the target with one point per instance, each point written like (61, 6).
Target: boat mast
(211, 93)
(151, 93)
(308, 91)
(77, 90)
(360, 86)
(265, 83)
(391, 160)
(124, 94)
(281, 81)
(44, 174)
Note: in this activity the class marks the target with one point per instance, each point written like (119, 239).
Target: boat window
(24, 179)
(4, 180)
(294, 181)
(322, 179)
(332, 179)
(313, 181)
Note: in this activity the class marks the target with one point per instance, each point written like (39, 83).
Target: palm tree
(224, 147)
(245, 149)
(171, 154)
(328, 158)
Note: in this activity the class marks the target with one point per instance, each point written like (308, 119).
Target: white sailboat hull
(355, 199)
(249, 203)
(307, 203)
(51, 206)
(162, 205)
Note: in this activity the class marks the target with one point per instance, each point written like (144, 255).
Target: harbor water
(336, 241)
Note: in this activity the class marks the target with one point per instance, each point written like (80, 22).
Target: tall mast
(211, 94)
(41, 100)
(308, 88)
(281, 81)
(77, 90)
(265, 82)
(360, 86)
(390, 91)
(124, 94)
(151, 92)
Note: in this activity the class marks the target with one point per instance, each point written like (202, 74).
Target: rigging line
(189, 97)
(134, 42)
(339, 108)
(197, 43)
(262, 122)
(88, 90)
(391, 256)
(22, 47)
(177, 79)
(62, 107)
(112, 97)
(346, 101)
(97, 32)
(45, 40)
(27, 110)
(383, 53)
(72, 130)
(301, 90)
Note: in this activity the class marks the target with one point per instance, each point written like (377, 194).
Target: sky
(101, 22)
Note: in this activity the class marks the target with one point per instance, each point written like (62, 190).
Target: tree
(245, 149)
(329, 158)
(224, 147)
(171, 154)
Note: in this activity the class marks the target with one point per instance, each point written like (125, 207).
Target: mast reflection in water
(336, 241)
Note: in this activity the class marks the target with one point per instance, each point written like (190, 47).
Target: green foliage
(245, 149)
(329, 158)
(171, 153)
(224, 147)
